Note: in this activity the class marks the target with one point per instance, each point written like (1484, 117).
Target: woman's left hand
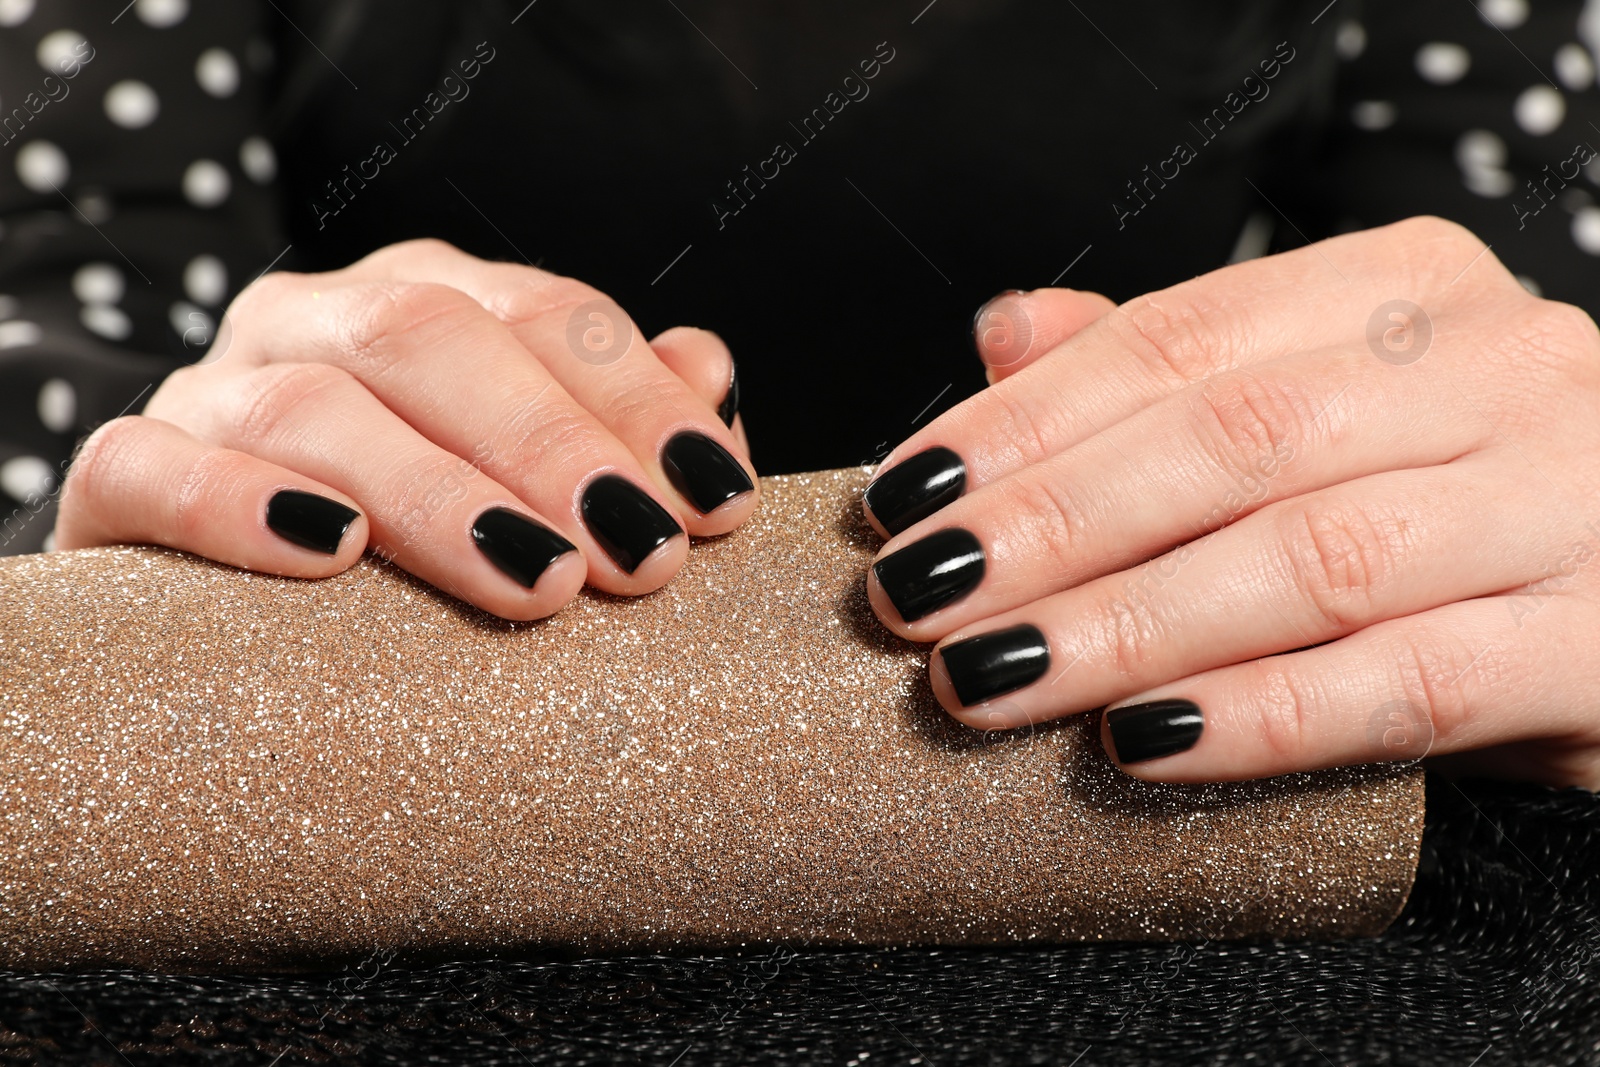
(1335, 506)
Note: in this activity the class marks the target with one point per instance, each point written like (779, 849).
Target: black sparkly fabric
(1496, 960)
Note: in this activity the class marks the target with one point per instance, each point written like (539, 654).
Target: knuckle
(1439, 234)
(1432, 676)
(1253, 422)
(1131, 635)
(1340, 558)
(417, 248)
(551, 436)
(272, 398)
(267, 290)
(1282, 705)
(1031, 438)
(109, 448)
(530, 294)
(1049, 520)
(1177, 336)
(213, 473)
(378, 331)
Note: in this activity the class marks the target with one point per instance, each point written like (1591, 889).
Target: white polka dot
(109, 322)
(258, 160)
(42, 166)
(49, 542)
(1373, 114)
(1539, 109)
(95, 205)
(190, 323)
(1351, 40)
(19, 332)
(58, 405)
(1585, 230)
(161, 13)
(1489, 182)
(1480, 148)
(1442, 63)
(1574, 67)
(205, 279)
(62, 46)
(131, 104)
(98, 283)
(205, 183)
(217, 72)
(1504, 14)
(1529, 284)
(27, 478)
(8, 307)
(15, 12)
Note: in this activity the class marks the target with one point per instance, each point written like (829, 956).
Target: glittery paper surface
(205, 769)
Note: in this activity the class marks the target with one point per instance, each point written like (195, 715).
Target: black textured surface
(1495, 961)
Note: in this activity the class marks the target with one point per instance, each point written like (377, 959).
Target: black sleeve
(136, 197)
(1486, 113)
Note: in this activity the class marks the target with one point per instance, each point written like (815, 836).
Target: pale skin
(1184, 493)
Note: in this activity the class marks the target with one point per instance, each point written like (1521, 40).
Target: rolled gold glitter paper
(203, 769)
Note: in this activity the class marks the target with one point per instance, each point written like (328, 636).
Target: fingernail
(703, 471)
(977, 318)
(309, 520)
(915, 488)
(1142, 732)
(627, 522)
(928, 574)
(985, 666)
(522, 549)
(730, 403)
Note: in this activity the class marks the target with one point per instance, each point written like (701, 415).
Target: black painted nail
(627, 522)
(521, 548)
(309, 520)
(1149, 731)
(928, 574)
(977, 317)
(985, 666)
(730, 403)
(703, 471)
(916, 488)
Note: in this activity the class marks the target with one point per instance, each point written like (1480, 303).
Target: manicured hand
(1336, 506)
(500, 432)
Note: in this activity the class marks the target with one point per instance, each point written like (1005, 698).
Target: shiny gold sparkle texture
(205, 769)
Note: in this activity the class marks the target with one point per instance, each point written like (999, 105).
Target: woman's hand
(1381, 446)
(502, 433)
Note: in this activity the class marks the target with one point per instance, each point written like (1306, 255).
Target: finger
(706, 366)
(1015, 328)
(141, 480)
(1156, 345)
(1189, 464)
(1460, 677)
(455, 374)
(1299, 573)
(600, 357)
(431, 513)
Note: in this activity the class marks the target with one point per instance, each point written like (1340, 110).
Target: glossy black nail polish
(521, 548)
(1150, 731)
(730, 403)
(928, 574)
(626, 521)
(309, 520)
(983, 667)
(915, 488)
(703, 471)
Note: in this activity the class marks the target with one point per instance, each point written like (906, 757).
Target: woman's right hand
(500, 432)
